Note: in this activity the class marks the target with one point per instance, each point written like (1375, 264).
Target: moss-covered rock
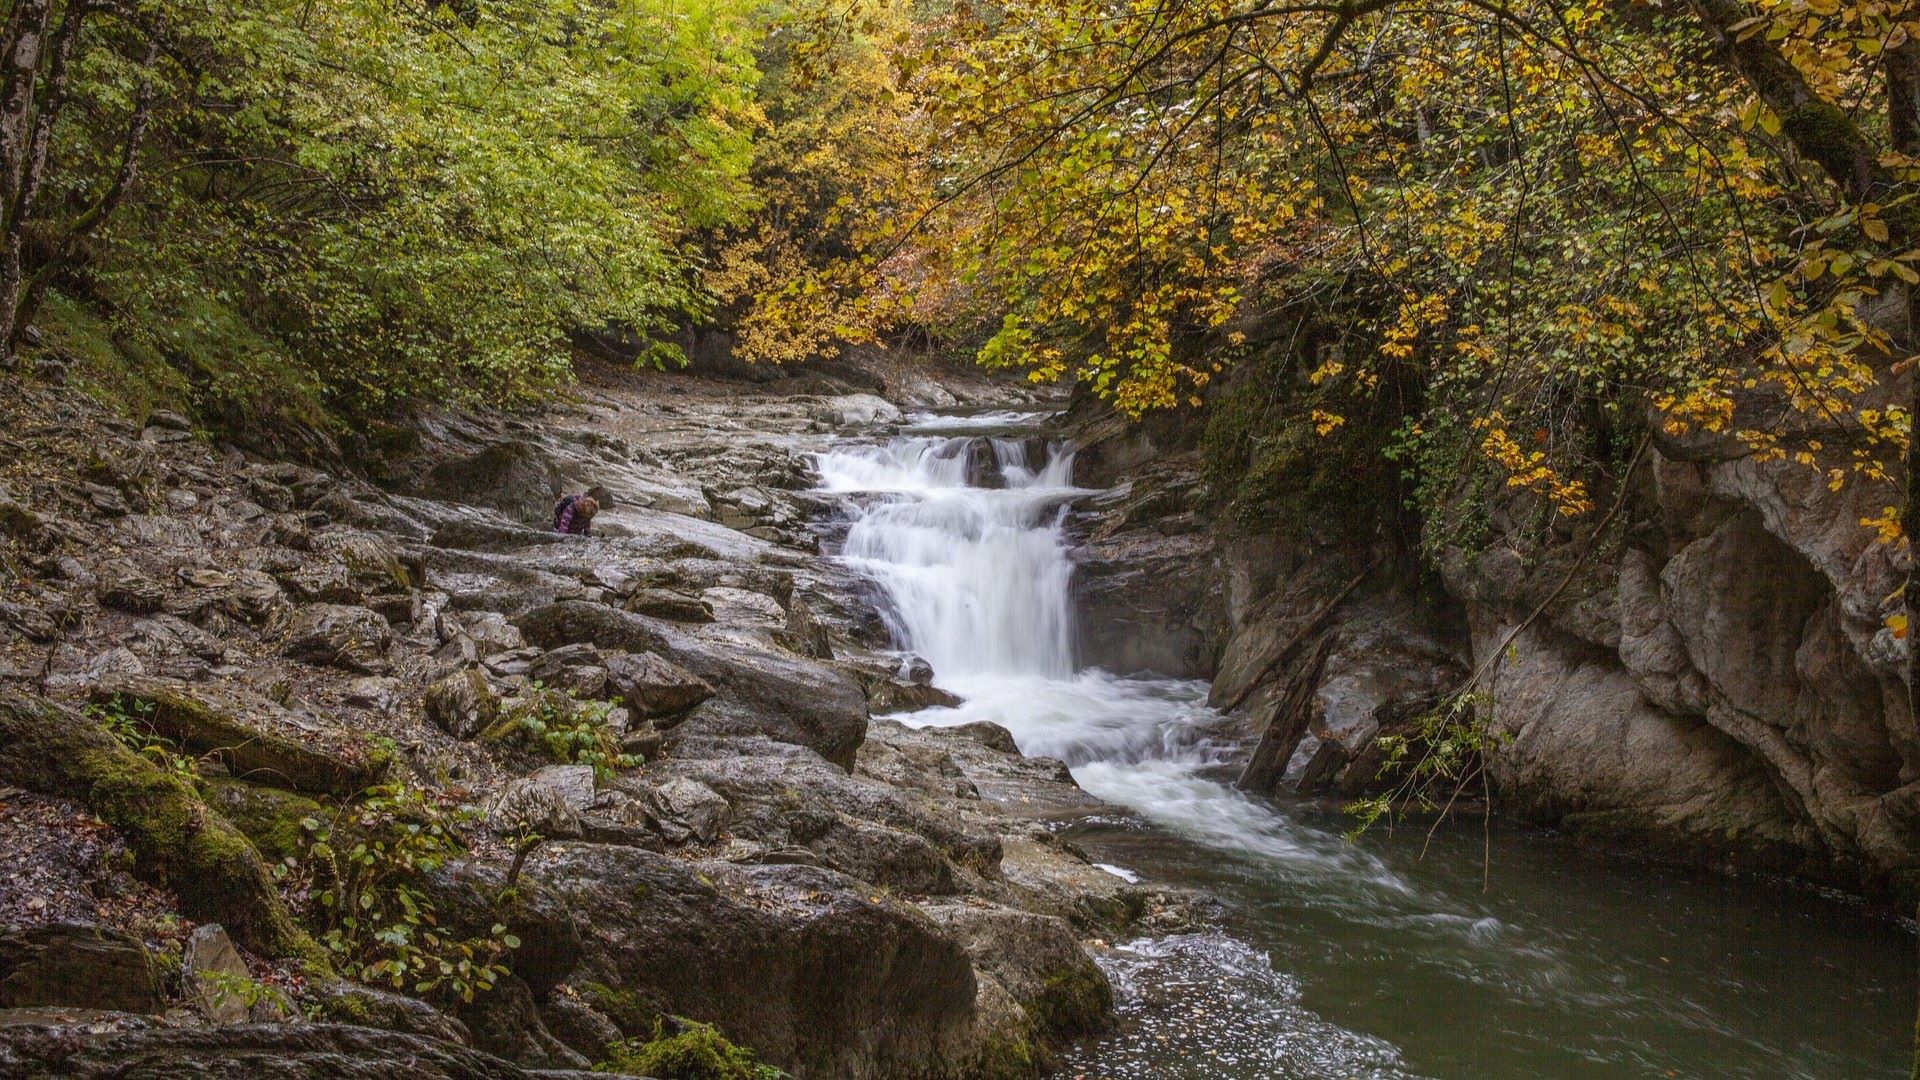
(178, 841)
(1008, 1058)
(238, 727)
(694, 1052)
(269, 817)
(364, 1006)
(1039, 988)
(631, 1013)
(1076, 1000)
(463, 704)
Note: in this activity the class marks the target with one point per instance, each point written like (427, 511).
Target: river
(1337, 958)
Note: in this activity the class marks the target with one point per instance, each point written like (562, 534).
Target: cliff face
(1712, 677)
(1725, 678)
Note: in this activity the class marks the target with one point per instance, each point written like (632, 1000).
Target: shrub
(365, 891)
(130, 721)
(572, 731)
(696, 1052)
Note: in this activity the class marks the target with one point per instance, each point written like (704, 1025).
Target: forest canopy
(383, 201)
(1526, 211)
(1493, 231)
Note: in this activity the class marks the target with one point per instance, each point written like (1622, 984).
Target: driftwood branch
(1300, 637)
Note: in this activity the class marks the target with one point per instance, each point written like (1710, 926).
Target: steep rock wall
(1711, 678)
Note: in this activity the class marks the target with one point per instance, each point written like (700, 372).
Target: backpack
(560, 508)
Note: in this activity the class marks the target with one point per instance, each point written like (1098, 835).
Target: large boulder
(1146, 594)
(1038, 961)
(670, 604)
(1591, 752)
(687, 810)
(514, 477)
(579, 669)
(269, 817)
(470, 897)
(257, 739)
(786, 799)
(806, 967)
(125, 588)
(528, 808)
(339, 635)
(758, 691)
(372, 563)
(886, 696)
(804, 633)
(213, 974)
(652, 687)
(571, 622)
(576, 1023)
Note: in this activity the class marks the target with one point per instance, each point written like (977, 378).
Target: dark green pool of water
(1573, 963)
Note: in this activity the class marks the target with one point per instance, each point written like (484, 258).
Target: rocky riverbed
(662, 749)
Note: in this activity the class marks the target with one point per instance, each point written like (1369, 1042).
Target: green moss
(628, 1011)
(506, 729)
(203, 358)
(697, 1052)
(200, 726)
(131, 384)
(346, 1009)
(130, 794)
(1078, 1001)
(1009, 1059)
(185, 845)
(1823, 131)
(269, 817)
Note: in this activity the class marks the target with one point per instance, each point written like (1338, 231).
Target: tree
(835, 165)
(39, 45)
(1549, 214)
(389, 201)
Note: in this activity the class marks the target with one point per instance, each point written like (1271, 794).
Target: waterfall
(964, 532)
(962, 528)
(976, 577)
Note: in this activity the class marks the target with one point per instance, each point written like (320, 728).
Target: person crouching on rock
(574, 514)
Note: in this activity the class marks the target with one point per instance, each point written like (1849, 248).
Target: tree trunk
(26, 33)
(18, 308)
(46, 105)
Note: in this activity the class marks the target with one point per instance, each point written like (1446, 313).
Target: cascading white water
(978, 581)
(977, 577)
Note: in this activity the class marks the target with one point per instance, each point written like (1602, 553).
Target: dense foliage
(1541, 232)
(1545, 208)
(1516, 224)
(1528, 220)
(363, 203)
